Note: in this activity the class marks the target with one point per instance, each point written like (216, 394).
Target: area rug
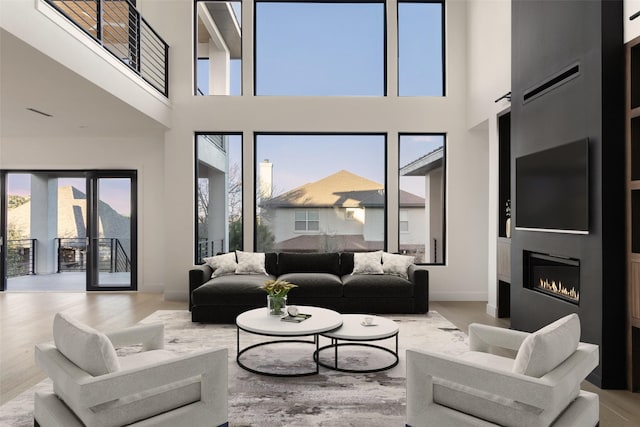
(330, 398)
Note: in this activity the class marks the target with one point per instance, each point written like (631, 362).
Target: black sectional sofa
(323, 280)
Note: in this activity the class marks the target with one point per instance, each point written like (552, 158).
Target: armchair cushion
(87, 348)
(548, 347)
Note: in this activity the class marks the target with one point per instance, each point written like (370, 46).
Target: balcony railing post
(99, 21)
(34, 255)
(166, 70)
(138, 40)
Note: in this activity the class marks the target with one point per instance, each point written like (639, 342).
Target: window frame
(385, 154)
(445, 183)
(196, 58)
(306, 221)
(196, 177)
(385, 32)
(443, 47)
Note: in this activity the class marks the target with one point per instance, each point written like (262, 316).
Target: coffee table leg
(316, 338)
(334, 342)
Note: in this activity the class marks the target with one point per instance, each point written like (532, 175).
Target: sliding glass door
(68, 230)
(112, 231)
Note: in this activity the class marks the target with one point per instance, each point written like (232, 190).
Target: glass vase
(276, 305)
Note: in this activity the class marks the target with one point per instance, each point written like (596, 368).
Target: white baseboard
(176, 296)
(457, 296)
(152, 288)
(492, 310)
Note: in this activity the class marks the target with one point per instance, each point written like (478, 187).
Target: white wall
(38, 24)
(166, 171)
(631, 28)
(489, 56)
(489, 77)
(143, 154)
(464, 276)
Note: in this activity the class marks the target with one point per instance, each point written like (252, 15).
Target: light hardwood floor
(26, 319)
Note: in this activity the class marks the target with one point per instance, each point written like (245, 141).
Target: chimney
(265, 179)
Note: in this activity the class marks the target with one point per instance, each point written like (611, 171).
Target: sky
(116, 192)
(297, 56)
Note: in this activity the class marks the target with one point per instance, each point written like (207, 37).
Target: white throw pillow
(250, 263)
(548, 347)
(396, 264)
(367, 263)
(222, 264)
(87, 348)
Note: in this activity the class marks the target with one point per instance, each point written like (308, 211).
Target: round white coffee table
(357, 333)
(260, 322)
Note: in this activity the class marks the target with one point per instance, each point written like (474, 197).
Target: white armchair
(540, 387)
(92, 386)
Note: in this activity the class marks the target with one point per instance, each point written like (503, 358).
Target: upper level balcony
(122, 31)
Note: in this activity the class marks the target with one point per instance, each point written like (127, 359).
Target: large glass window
(218, 194)
(318, 193)
(320, 49)
(420, 48)
(422, 197)
(218, 48)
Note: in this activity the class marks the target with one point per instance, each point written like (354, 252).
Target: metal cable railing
(112, 256)
(122, 30)
(21, 257)
(207, 248)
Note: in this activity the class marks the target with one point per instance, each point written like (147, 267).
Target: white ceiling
(30, 79)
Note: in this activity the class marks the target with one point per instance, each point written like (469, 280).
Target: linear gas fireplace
(552, 275)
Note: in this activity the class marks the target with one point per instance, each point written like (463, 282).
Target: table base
(335, 345)
(315, 341)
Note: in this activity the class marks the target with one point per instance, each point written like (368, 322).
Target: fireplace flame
(560, 289)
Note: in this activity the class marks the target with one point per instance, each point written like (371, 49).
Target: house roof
(424, 165)
(341, 189)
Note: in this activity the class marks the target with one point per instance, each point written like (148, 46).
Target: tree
(15, 200)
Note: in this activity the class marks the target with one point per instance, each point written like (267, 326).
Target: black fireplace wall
(549, 37)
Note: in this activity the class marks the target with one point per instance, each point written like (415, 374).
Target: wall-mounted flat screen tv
(552, 189)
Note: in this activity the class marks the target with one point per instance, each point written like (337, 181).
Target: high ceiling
(30, 79)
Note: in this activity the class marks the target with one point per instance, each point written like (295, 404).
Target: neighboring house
(431, 167)
(342, 212)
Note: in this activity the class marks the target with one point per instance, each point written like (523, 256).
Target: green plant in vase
(277, 291)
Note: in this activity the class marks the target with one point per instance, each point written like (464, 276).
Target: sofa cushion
(548, 347)
(238, 289)
(309, 263)
(346, 263)
(313, 285)
(222, 264)
(376, 286)
(87, 348)
(271, 263)
(367, 263)
(251, 263)
(396, 264)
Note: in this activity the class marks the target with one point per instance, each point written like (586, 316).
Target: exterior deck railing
(122, 30)
(208, 248)
(21, 257)
(112, 257)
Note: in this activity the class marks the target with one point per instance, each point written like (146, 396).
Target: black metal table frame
(315, 341)
(355, 342)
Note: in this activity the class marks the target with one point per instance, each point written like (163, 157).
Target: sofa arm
(198, 275)
(419, 276)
